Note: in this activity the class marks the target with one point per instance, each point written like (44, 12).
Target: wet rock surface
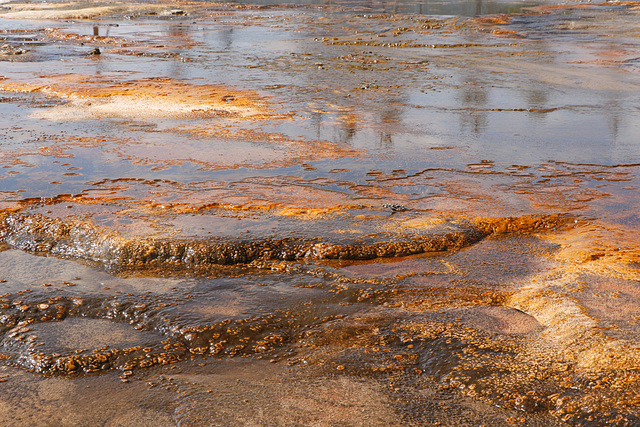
(82, 240)
(340, 214)
(78, 240)
(402, 335)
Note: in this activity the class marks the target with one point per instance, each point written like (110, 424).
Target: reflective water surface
(320, 213)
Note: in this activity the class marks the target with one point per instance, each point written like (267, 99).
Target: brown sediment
(140, 331)
(574, 365)
(514, 365)
(560, 359)
(32, 338)
(532, 376)
(490, 368)
(56, 400)
(534, 344)
(449, 296)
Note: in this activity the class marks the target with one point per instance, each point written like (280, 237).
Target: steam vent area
(320, 213)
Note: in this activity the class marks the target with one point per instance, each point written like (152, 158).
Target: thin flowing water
(319, 213)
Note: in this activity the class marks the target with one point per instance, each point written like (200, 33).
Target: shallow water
(411, 213)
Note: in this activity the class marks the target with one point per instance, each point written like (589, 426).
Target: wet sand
(320, 214)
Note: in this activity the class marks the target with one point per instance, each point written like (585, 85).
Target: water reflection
(226, 38)
(473, 105)
(423, 7)
(348, 129)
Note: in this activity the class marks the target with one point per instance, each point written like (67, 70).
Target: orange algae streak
(287, 199)
(525, 224)
(279, 198)
(159, 98)
(606, 249)
(90, 98)
(55, 33)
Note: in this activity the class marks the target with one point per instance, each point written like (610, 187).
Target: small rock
(395, 207)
